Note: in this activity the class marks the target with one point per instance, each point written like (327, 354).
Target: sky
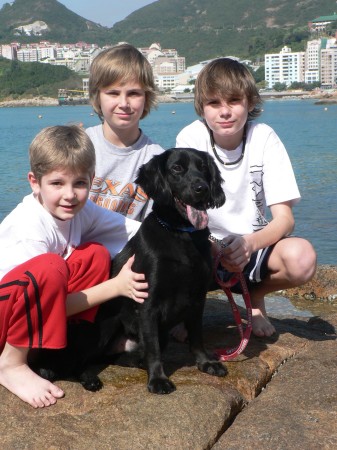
(104, 12)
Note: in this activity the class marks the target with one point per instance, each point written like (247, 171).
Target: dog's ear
(218, 196)
(151, 178)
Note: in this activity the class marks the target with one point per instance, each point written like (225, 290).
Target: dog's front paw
(213, 368)
(161, 386)
(91, 382)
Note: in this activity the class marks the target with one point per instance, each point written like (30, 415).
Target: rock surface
(322, 287)
(41, 101)
(281, 393)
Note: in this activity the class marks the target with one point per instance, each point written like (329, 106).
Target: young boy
(257, 172)
(56, 247)
(122, 92)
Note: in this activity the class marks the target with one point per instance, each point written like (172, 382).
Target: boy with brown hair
(122, 92)
(257, 173)
(56, 247)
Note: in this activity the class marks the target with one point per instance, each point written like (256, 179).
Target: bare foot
(18, 378)
(261, 325)
(179, 332)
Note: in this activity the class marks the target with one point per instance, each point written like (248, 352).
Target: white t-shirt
(262, 178)
(113, 186)
(30, 230)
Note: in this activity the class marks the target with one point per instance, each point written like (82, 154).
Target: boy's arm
(127, 283)
(281, 225)
(240, 248)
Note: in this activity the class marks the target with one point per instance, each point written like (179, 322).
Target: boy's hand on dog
(132, 284)
(237, 253)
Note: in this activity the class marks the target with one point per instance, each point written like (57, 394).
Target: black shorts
(254, 272)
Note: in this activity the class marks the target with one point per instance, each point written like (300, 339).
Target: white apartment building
(8, 51)
(284, 67)
(27, 54)
(164, 61)
(329, 67)
(45, 52)
(165, 65)
(74, 58)
(166, 82)
(321, 62)
(312, 61)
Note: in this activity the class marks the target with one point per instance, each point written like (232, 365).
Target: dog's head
(185, 179)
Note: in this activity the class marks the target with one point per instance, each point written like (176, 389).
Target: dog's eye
(203, 167)
(176, 168)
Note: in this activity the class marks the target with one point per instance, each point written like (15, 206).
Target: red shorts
(33, 296)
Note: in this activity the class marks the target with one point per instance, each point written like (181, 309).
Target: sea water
(307, 130)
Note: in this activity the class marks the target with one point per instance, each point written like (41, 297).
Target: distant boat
(173, 112)
(72, 97)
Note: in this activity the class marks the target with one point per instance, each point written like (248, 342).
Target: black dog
(173, 251)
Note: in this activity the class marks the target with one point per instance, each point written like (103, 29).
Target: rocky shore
(40, 101)
(281, 393)
(49, 101)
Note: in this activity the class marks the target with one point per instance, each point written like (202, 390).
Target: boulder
(280, 393)
(323, 286)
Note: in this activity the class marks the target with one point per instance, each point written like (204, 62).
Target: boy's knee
(304, 260)
(309, 263)
(49, 263)
(55, 269)
(98, 252)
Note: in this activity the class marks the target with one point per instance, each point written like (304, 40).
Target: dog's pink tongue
(199, 219)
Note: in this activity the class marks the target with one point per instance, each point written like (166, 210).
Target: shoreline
(43, 101)
(321, 99)
(50, 101)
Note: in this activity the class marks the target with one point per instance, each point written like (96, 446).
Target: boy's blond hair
(121, 64)
(62, 147)
(228, 79)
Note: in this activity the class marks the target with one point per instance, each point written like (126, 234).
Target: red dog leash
(227, 353)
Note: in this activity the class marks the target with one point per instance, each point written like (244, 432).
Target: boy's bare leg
(18, 378)
(261, 325)
(291, 263)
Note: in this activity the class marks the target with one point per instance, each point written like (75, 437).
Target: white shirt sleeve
(106, 227)
(278, 176)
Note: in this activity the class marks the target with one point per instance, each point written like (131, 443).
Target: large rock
(281, 391)
(322, 287)
(298, 408)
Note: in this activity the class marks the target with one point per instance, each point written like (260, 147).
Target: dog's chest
(179, 277)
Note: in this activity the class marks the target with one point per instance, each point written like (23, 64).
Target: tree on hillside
(35, 79)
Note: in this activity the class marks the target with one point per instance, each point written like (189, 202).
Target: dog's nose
(200, 188)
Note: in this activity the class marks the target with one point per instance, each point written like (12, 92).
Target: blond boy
(56, 247)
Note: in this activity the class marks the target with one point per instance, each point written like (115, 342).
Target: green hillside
(64, 25)
(198, 29)
(34, 79)
(201, 30)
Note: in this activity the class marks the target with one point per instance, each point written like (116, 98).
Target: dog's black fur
(173, 251)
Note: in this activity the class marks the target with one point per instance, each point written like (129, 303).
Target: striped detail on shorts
(255, 272)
